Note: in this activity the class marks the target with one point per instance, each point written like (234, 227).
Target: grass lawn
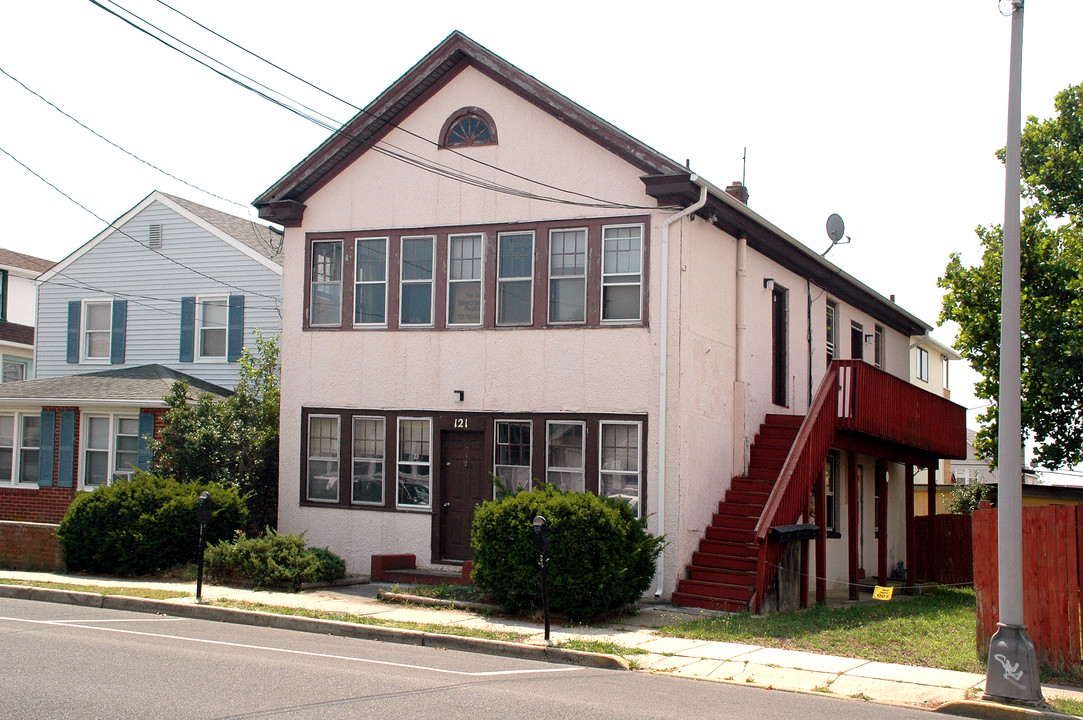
(100, 589)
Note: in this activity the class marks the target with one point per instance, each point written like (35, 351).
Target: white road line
(76, 624)
(158, 618)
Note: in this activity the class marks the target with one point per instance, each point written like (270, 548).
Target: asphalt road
(65, 661)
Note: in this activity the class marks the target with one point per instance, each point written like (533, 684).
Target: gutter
(663, 351)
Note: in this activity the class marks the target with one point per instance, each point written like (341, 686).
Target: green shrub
(332, 567)
(142, 525)
(272, 560)
(600, 556)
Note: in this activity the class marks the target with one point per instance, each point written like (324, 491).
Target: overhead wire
(398, 153)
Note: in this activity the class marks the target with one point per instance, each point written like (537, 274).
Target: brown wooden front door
(464, 483)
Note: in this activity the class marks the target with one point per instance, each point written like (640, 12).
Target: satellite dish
(835, 228)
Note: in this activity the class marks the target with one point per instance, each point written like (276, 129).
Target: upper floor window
(878, 346)
(14, 369)
(567, 276)
(923, 364)
(97, 329)
(370, 282)
(20, 443)
(3, 294)
(464, 280)
(832, 329)
(212, 314)
(468, 127)
(515, 279)
(622, 257)
(416, 275)
(326, 279)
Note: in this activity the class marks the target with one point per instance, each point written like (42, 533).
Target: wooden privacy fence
(1052, 542)
(944, 554)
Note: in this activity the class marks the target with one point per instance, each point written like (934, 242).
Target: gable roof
(666, 180)
(143, 385)
(259, 242)
(22, 261)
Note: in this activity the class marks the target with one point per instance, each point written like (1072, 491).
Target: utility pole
(1012, 673)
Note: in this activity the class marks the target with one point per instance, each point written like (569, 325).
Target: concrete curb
(313, 625)
(993, 711)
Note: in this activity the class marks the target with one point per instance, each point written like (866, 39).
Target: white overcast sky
(885, 112)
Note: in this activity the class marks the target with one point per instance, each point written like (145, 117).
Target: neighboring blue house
(171, 290)
(172, 283)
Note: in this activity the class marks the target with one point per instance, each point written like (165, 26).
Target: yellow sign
(882, 593)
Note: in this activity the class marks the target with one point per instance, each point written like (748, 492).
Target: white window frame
(496, 453)
(528, 279)
(362, 282)
(878, 348)
(313, 283)
(637, 473)
(11, 361)
(381, 439)
(583, 277)
(200, 356)
(84, 355)
(580, 486)
(431, 281)
(832, 465)
(337, 459)
(479, 280)
(614, 279)
(113, 425)
(416, 463)
(17, 448)
(923, 364)
(831, 315)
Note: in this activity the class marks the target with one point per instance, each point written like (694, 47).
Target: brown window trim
(446, 421)
(458, 115)
(490, 232)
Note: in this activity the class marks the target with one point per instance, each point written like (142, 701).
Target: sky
(886, 113)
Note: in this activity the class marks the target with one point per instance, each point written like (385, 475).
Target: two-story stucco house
(171, 290)
(482, 277)
(18, 309)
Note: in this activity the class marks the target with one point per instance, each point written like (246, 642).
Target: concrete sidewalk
(928, 688)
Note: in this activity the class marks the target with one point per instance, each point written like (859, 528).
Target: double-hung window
(212, 321)
(618, 459)
(368, 461)
(416, 275)
(414, 463)
(464, 279)
(323, 451)
(832, 330)
(326, 284)
(370, 282)
(97, 329)
(14, 369)
(567, 276)
(515, 279)
(878, 346)
(565, 455)
(110, 448)
(512, 464)
(622, 279)
(20, 443)
(923, 364)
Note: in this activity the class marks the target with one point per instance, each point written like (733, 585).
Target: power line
(417, 161)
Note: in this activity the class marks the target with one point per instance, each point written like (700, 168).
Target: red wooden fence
(947, 555)
(1052, 544)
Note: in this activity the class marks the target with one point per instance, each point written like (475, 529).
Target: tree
(965, 499)
(233, 441)
(1051, 241)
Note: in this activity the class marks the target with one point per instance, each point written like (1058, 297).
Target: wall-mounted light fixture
(769, 283)
(868, 337)
(459, 395)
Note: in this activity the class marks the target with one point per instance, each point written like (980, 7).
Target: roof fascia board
(80, 402)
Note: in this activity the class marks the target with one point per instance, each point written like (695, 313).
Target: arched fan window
(468, 127)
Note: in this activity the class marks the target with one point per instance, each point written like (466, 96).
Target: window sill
(18, 486)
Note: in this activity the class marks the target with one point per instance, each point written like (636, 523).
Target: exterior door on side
(464, 484)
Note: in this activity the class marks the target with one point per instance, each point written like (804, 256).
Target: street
(64, 661)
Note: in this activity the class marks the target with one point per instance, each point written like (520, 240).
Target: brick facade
(30, 546)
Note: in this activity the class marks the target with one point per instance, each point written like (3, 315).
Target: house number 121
(461, 423)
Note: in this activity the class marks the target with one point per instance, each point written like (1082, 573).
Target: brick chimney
(738, 190)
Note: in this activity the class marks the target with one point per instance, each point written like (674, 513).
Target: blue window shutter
(66, 465)
(235, 336)
(75, 309)
(120, 322)
(46, 450)
(146, 432)
(188, 329)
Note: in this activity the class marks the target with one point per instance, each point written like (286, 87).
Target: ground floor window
(20, 441)
(110, 448)
(603, 454)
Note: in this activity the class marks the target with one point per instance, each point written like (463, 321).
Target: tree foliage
(1051, 245)
(233, 441)
(965, 499)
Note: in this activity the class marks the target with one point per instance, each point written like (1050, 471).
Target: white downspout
(663, 351)
(739, 388)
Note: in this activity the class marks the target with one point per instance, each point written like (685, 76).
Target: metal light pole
(1013, 666)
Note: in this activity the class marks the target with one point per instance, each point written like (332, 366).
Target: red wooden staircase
(722, 575)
